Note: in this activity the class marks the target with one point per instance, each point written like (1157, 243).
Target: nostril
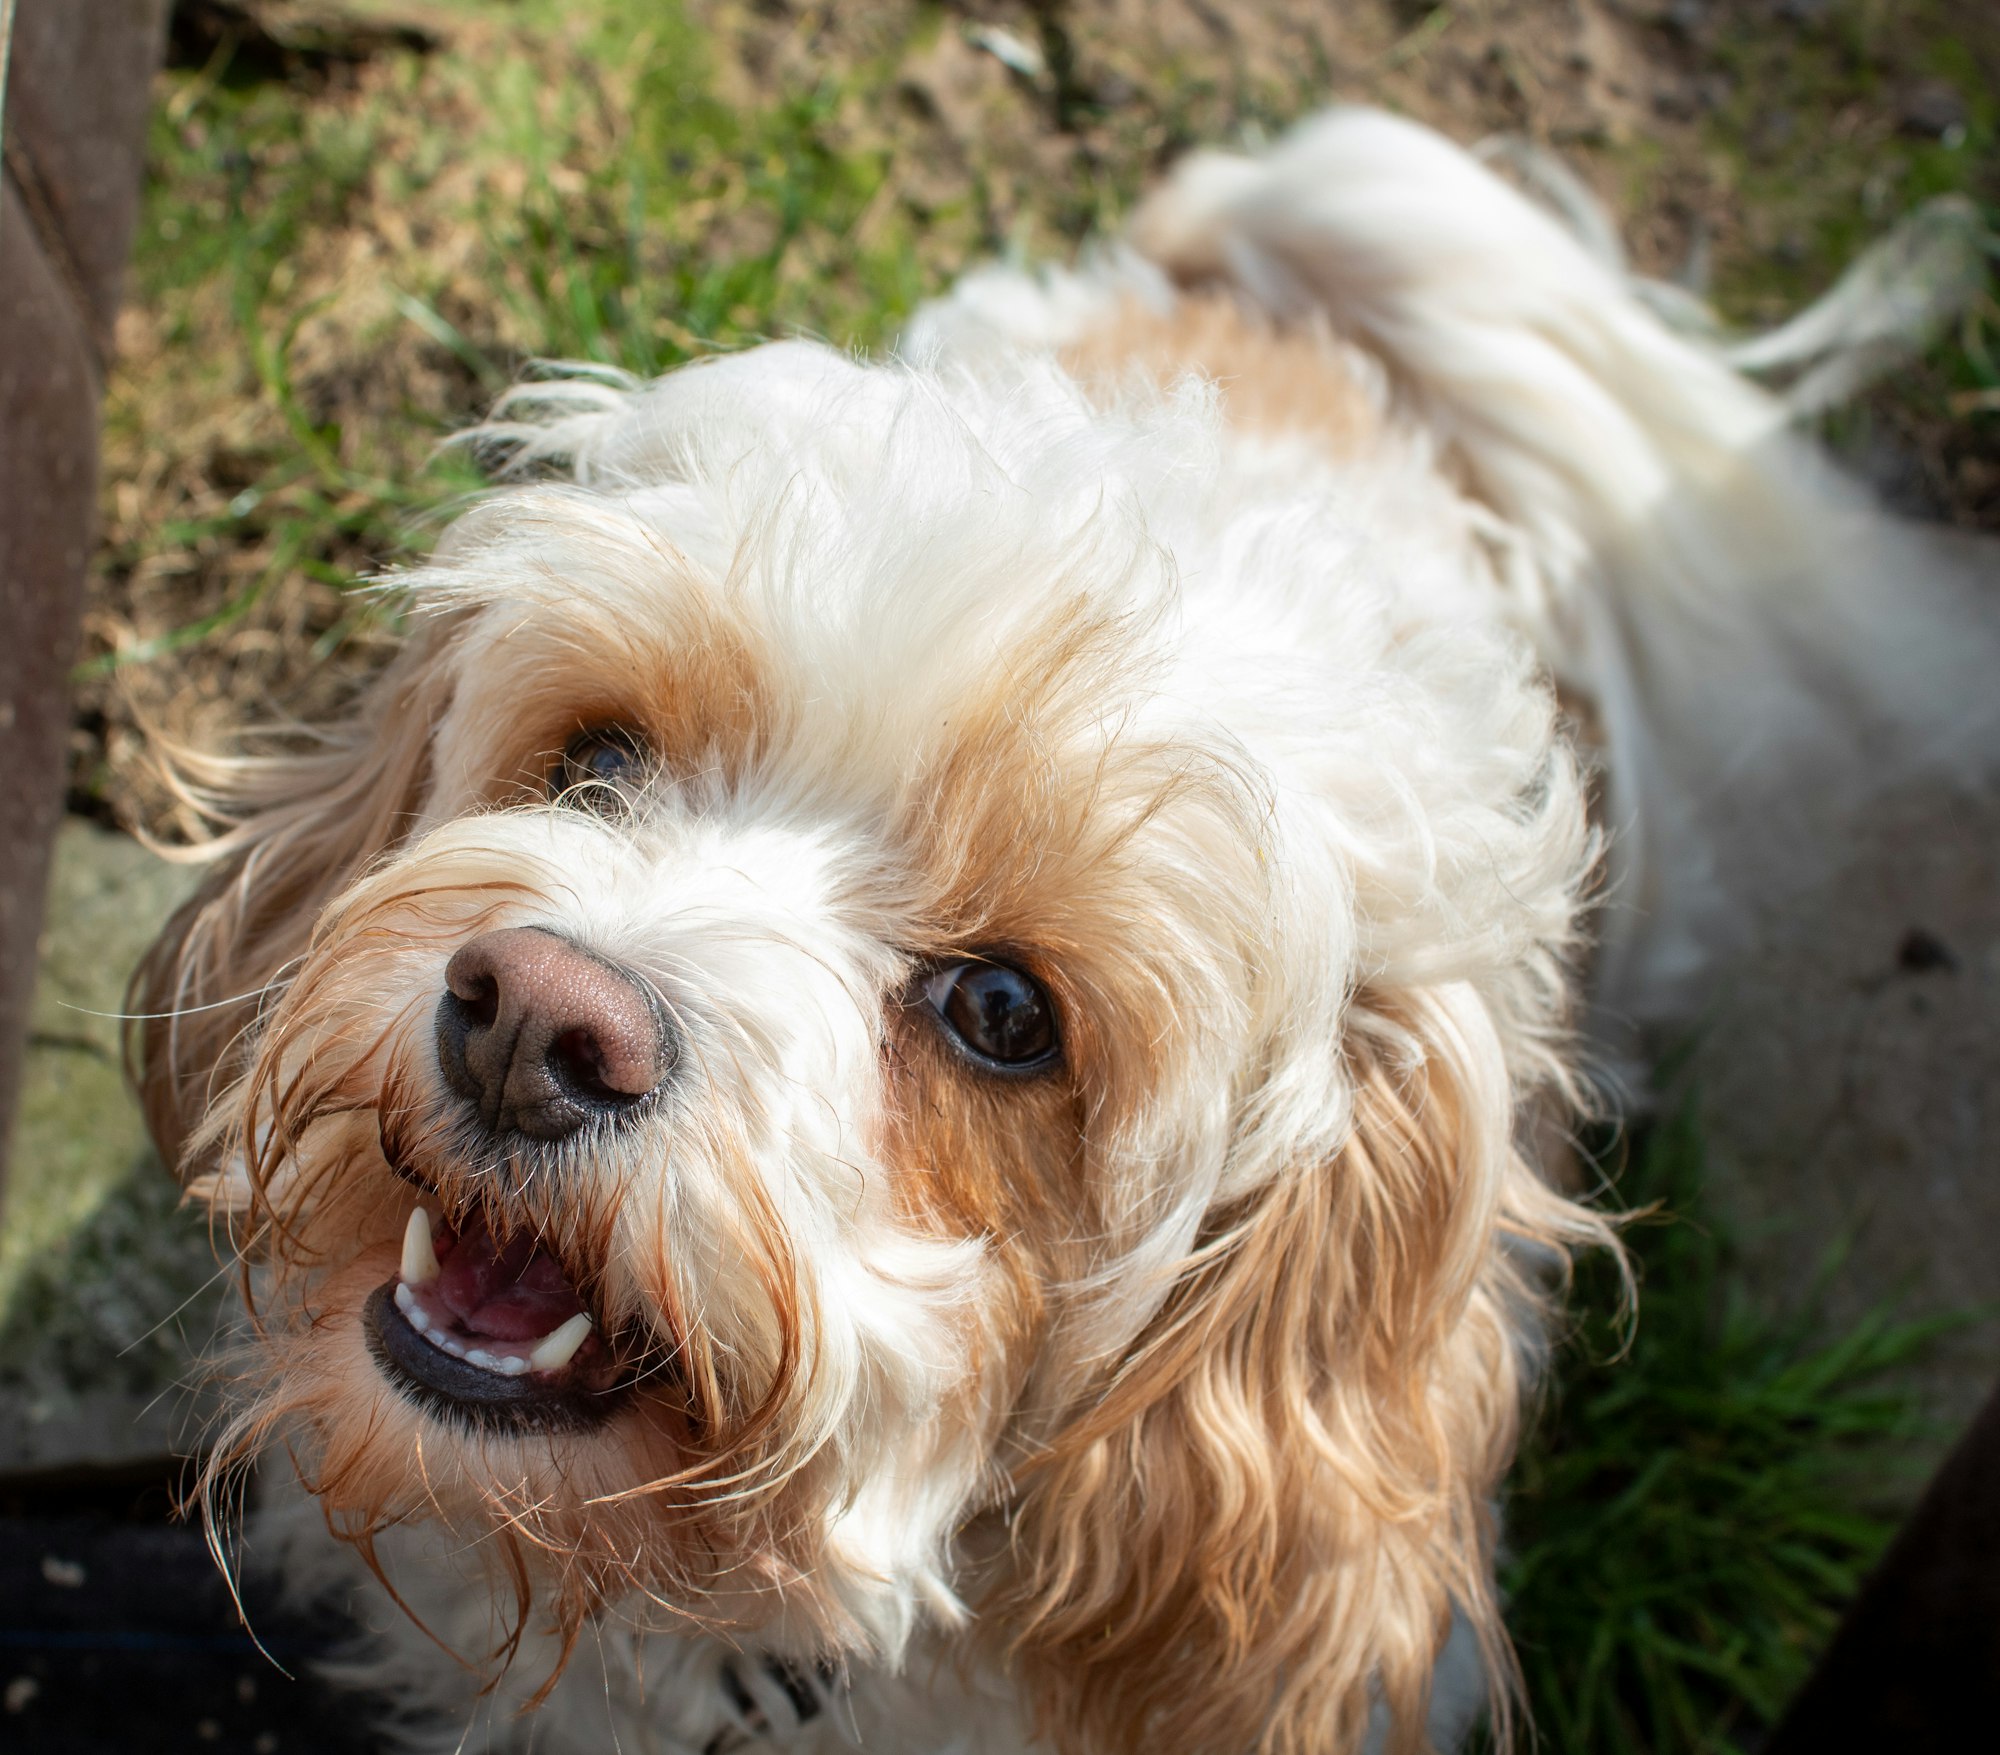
(478, 1001)
(579, 1060)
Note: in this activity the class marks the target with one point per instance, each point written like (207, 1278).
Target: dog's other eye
(599, 768)
(999, 1015)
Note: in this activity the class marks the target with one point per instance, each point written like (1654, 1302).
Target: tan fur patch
(1265, 1520)
(973, 1155)
(696, 697)
(1274, 380)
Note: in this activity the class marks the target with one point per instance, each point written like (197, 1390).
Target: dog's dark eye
(599, 768)
(999, 1015)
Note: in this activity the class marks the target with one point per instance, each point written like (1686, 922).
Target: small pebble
(1014, 53)
(1921, 952)
(1930, 108)
(63, 1574)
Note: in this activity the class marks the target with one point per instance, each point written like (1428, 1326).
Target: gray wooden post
(78, 87)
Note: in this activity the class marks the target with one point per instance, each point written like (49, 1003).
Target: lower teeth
(504, 1365)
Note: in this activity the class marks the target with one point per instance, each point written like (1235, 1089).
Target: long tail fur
(1764, 647)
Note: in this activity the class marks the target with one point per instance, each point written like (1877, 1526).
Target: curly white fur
(1180, 1384)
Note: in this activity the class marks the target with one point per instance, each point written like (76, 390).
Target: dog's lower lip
(457, 1390)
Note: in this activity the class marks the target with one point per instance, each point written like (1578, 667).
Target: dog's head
(913, 1001)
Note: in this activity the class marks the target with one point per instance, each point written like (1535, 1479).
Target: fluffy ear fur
(294, 825)
(1259, 1537)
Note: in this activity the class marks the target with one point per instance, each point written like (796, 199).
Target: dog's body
(1042, 883)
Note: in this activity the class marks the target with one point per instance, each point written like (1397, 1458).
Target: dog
(886, 1093)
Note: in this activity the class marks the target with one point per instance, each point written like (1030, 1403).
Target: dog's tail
(1763, 647)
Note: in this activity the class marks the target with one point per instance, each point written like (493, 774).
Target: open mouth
(491, 1329)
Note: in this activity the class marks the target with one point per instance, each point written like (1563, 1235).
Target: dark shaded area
(118, 1635)
(1916, 1663)
(273, 40)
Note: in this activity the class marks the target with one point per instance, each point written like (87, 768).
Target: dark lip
(462, 1395)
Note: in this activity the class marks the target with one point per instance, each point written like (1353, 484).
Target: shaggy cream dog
(878, 1098)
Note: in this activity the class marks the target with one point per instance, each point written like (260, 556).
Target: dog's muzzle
(486, 1321)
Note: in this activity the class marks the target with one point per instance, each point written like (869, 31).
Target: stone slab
(108, 1288)
(1849, 1082)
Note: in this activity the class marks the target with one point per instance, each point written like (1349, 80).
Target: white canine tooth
(558, 1348)
(420, 1262)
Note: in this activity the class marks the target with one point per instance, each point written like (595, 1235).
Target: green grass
(708, 223)
(1705, 1490)
(1818, 191)
(238, 179)
(623, 214)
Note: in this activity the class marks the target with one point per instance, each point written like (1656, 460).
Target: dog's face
(897, 1009)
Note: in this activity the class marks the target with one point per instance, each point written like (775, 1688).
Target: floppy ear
(1265, 1525)
(295, 826)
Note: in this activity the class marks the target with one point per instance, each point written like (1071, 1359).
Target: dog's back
(1752, 645)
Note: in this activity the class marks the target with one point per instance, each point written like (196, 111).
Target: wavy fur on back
(1761, 649)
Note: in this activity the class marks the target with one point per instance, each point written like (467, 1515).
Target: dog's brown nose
(541, 1037)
